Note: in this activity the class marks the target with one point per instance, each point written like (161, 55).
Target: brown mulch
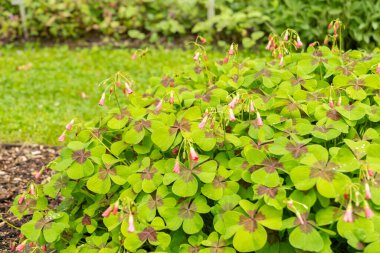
(18, 166)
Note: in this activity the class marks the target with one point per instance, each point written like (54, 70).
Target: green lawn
(36, 104)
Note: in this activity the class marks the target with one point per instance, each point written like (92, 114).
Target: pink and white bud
(299, 217)
(205, 57)
(348, 217)
(268, 46)
(128, 89)
(32, 191)
(233, 103)
(225, 60)
(367, 191)
(290, 203)
(331, 102)
(281, 61)
(20, 247)
(196, 56)
(251, 107)
(134, 56)
(378, 68)
(259, 120)
(44, 248)
(131, 224)
(70, 125)
(326, 40)
(312, 44)
(171, 98)
(231, 51)
(330, 25)
(286, 36)
(107, 212)
(115, 208)
(203, 40)
(368, 211)
(231, 115)
(371, 172)
(102, 99)
(21, 200)
(339, 103)
(298, 43)
(177, 167)
(203, 122)
(193, 155)
(159, 106)
(62, 137)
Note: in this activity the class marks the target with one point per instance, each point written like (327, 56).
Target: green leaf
(308, 239)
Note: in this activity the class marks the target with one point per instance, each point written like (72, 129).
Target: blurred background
(53, 53)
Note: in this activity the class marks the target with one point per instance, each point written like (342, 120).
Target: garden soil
(18, 166)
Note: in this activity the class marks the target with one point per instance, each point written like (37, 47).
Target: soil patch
(18, 167)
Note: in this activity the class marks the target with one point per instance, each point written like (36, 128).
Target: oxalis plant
(241, 155)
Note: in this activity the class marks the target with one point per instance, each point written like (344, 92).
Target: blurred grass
(36, 104)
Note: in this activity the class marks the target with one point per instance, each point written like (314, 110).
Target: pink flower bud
(134, 55)
(268, 46)
(348, 214)
(37, 175)
(131, 224)
(225, 60)
(193, 154)
(196, 56)
(203, 122)
(231, 51)
(290, 203)
(44, 248)
(102, 99)
(107, 212)
(118, 84)
(298, 43)
(32, 191)
(212, 123)
(233, 103)
(259, 120)
(171, 99)
(159, 106)
(312, 44)
(371, 172)
(281, 61)
(21, 199)
(251, 107)
(326, 41)
(232, 116)
(128, 89)
(300, 219)
(62, 137)
(177, 166)
(330, 25)
(286, 36)
(70, 125)
(205, 57)
(367, 211)
(20, 247)
(331, 103)
(339, 101)
(115, 208)
(378, 68)
(367, 191)
(203, 40)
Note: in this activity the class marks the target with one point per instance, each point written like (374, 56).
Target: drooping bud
(268, 46)
(203, 40)
(171, 98)
(290, 203)
(32, 191)
(259, 120)
(326, 41)
(367, 190)
(286, 36)
(62, 137)
(44, 248)
(203, 122)
(193, 154)
(357, 201)
(233, 103)
(196, 56)
(118, 84)
(131, 223)
(281, 61)
(231, 115)
(70, 125)
(102, 99)
(348, 214)
(107, 212)
(21, 199)
(378, 68)
(336, 25)
(368, 211)
(251, 106)
(312, 44)
(159, 106)
(128, 89)
(231, 51)
(20, 247)
(225, 60)
(205, 57)
(330, 25)
(115, 208)
(37, 176)
(177, 167)
(339, 101)
(346, 196)
(331, 102)
(371, 172)
(298, 43)
(175, 151)
(134, 55)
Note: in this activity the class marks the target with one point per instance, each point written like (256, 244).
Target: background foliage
(165, 20)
